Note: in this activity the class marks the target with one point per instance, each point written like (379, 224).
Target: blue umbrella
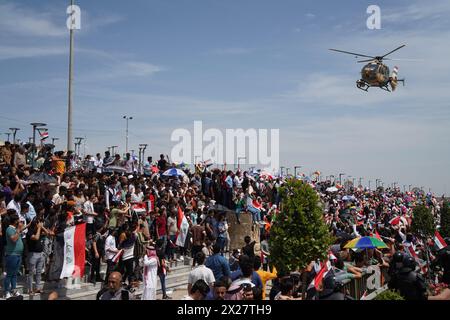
(174, 172)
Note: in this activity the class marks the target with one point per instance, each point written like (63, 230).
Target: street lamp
(239, 158)
(78, 143)
(340, 177)
(142, 148)
(14, 131)
(8, 134)
(35, 125)
(127, 118)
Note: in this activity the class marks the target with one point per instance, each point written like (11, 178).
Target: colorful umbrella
(365, 243)
(174, 172)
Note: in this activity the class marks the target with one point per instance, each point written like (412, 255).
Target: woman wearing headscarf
(151, 264)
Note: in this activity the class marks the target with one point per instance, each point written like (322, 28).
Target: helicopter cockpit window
(370, 71)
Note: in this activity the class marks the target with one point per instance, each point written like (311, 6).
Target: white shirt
(110, 244)
(57, 199)
(15, 206)
(31, 211)
(129, 165)
(98, 163)
(88, 208)
(201, 272)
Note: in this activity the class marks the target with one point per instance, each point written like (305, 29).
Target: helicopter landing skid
(360, 84)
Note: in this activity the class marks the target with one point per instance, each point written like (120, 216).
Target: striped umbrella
(365, 243)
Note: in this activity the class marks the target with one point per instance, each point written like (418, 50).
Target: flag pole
(70, 102)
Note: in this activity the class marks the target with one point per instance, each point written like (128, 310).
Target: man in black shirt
(35, 257)
(249, 248)
(162, 163)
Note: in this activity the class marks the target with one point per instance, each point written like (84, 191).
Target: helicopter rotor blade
(353, 54)
(393, 51)
(368, 60)
(404, 59)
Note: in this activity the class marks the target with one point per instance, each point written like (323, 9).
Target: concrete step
(178, 276)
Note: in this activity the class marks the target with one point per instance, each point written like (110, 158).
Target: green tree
(445, 220)
(423, 222)
(299, 235)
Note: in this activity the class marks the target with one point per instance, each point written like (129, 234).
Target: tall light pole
(340, 178)
(295, 170)
(142, 148)
(127, 119)
(14, 131)
(35, 125)
(78, 144)
(70, 103)
(8, 134)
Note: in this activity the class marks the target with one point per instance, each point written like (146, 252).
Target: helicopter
(375, 73)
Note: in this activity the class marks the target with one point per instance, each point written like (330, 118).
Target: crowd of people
(132, 216)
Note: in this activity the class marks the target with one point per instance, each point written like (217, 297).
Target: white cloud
(310, 15)
(15, 20)
(418, 11)
(232, 51)
(11, 52)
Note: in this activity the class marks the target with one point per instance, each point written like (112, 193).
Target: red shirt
(161, 225)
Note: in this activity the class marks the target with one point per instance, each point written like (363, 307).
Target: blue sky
(238, 64)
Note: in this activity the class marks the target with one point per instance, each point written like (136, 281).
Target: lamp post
(77, 144)
(14, 131)
(8, 134)
(340, 178)
(295, 170)
(127, 119)
(142, 148)
(35, 125)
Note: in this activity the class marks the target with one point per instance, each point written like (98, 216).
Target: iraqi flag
(183, 226)
(44, 135)
(439, 241)
(376, 235)
(74, 251)
(326, 267)
(117, 256)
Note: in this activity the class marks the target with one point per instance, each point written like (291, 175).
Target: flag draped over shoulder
(74, 251)
(183, 226)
